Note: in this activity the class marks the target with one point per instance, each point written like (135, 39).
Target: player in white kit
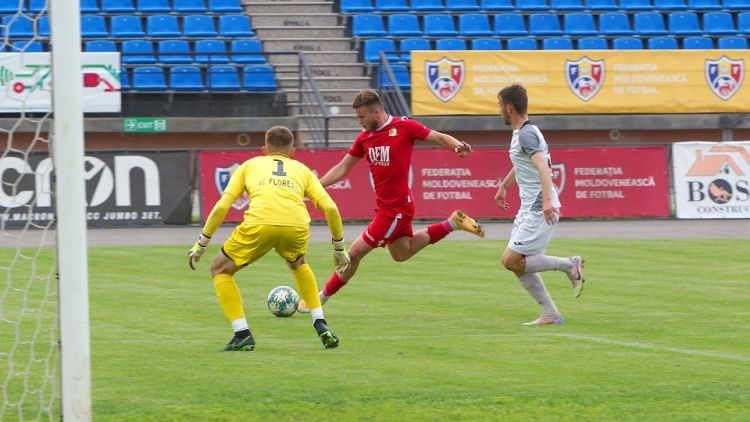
(539, 211)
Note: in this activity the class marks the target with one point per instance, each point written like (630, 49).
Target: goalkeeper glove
(340, 257)
(195, 253)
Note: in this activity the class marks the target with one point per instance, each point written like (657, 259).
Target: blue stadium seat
(89, 6)
(235, 26)
(697, 43)
(368, 25)
(557, 43)
(17, 26)
(225, 6)
(247, 52)
(474, 24)
(137, 52)
(12, 6)
(450, 44)
(118, 6)
(592, 43)
(579, 24)
(684, 23)
(154, 6)
(461, 5)
(486, 44)
(126, 26)
(427, 5)
(198, 26)
(258, 78)
(401, 75)
(508, 24)
(174, 52)
(732, 43)
(532, 5)
(648, 23)
(627, 43)
(35, 6)
(497, 5)
(43, 26)
(703, 5)
(636, 5)
(736, 4)
(601, 5)
(439, 25)
(565, 5)
(100, 46)
(223, 78)
(522, 44)
(186, 78)
(662, 43)
(162, 26)
(27, 46)
(353, 6)
(149, 78)
(718, 23)
(391, 6)
(743, 23)
(410, 44)
(403, 25)
(544, 24)
(614, 23)
(190, 6)
(211, 51)
(670, 5)
(374, 46)
(124, 81)
(93, 26)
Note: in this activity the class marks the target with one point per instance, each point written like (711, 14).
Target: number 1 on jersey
(279, 168)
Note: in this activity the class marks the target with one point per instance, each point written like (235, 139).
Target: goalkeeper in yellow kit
(277, 218)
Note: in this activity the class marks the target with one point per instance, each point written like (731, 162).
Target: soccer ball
(283, 301)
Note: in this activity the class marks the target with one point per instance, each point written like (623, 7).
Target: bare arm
(448, 142)
(545, 175)
(338, 171)
(502, 190)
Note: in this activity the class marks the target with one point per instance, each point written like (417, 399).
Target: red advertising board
(593, 182)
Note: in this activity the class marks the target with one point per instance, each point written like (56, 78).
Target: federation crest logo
(585, 77)
(445, 77)
(724, 76)
(221, 178)
(558, 177)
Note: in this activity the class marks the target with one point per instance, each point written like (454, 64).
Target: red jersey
(388, 151)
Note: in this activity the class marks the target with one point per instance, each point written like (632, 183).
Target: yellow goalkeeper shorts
(250, 242)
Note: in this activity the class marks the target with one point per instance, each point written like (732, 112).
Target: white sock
(533, 284)
(452, 223)
(239, 324)
(539, 262)
(316, 313)
(323, 297)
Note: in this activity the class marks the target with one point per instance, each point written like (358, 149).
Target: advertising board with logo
(712, 180)
(122, 189)
(579, 82)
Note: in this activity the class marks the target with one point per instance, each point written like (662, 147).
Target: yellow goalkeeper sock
(229, 297)
(307, 285)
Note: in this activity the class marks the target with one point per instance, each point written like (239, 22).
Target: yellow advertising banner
(581, 82)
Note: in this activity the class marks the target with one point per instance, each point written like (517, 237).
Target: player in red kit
(387, 143)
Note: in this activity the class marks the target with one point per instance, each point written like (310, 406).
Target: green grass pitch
(662, 332)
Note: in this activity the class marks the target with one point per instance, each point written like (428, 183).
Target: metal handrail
(392, 96)
(317, 124)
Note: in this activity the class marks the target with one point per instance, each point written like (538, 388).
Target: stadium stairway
(314, 28)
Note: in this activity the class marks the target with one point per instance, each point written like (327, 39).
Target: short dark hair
(515, 95)
(367, 98)
(279, 136)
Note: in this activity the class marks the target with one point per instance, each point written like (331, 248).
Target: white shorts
(531, 233)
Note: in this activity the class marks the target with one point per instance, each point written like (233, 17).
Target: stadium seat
(579, 24)
(557, 43)
(427, 5)
(186, 78)
(190, 6)
(732, 43)
(670, 5)
(368, 25)
(391, 6)
(138, 52)
(198, 26)
(27, 46)
(684, 23)
(544, 24)
(12, 7)
(508, 24)
(124, 81)
(627, 43)
(474, 24)
(736, 4)
(400, 74)
(126, 26)
(697, 43)
(592, 43)
(461, 5)
(17, 26)
(566, 5)
(439, 25)
(486, 44)
(153, 6)
(211, 51)
(450, 44)
(743, 23)
(89, 6)
(631, 5)
(235, 26)
(174, 52)
(162, 26)
(718, 23)
(614, 23)
(118, 6)
(43, 26)
(223, 78)
(374, 46)
(149, 78)
(247, 52)
(403, 25)
(522, 44)
(662, 43)
(648, 23)
(532, 5)
(100, 46)
(36, 6)
(410, 44)
(225, 6)
(702, 5)
(258, 78)
(601, 5)
(354, 6)
(93, 26)
(496, 5)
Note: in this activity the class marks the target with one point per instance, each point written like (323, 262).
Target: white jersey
(527, 141)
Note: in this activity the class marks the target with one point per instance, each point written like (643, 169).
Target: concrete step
(293, 8)
(327, 82)
(307, 32)
(333, 69)
(306, 44)
(341, 137)
(339, 121)
(329, 95)
(316, 57)
(294, 21)
(333, 108)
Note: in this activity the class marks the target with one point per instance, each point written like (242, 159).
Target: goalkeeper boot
(238, 344)
(575, 275)
(546, 320)
(466, 223)
(327, 336)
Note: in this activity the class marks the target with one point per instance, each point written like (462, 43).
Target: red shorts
(384, 229)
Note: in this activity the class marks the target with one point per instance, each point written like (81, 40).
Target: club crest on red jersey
(221, 178)
(445, 77)
(725, 76)
(558, 177)
(584, 76)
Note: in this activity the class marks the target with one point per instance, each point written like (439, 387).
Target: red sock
(333, 285)
(438, 231)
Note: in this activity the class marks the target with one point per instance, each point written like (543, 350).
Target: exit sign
(144, 124)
